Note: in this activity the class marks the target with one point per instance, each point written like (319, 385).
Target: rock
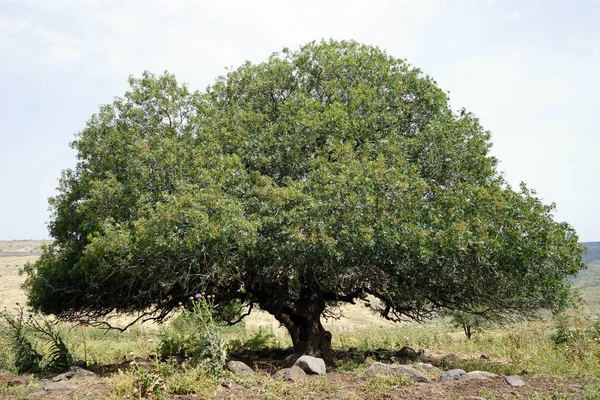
(62, 385)
(474, 398)
(514, 380)
(426, 355)
(369, 361)
(292, 374)
(37, 395)
(426, 366)
(480, 375)
(311, 365)
(80, 364)
(75, 372)
(407, 353)
(485, 357)
(453, 375)
(378, 368)
(19, 380)
(451, 357)
(239, 368)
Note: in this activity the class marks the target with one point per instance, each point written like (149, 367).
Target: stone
(485, 357)
(426, 366)
(19, 380)
(407, 353)
(575, 387)
(514, 380)
(369, 361)
(239, 368)
(75, 372)
(292, 374)
(451, 357)
(480, 375)
(453, 375)
(311, 365)
(378, 368)
(62, 385)
(475, 398)
(6, 376)
(426, 355)
(37, 395)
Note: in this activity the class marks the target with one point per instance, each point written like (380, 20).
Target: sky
(528, 69)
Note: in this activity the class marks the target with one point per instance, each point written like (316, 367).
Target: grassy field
(551, 356)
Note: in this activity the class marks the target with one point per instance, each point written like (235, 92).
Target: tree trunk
(302, 319)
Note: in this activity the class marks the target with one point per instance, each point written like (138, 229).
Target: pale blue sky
(528, 69)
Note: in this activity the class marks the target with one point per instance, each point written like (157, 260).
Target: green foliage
(195, 334)
(22, 332)
(257, 341)
(469, 322)
(316, 177)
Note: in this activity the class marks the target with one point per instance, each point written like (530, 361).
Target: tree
(315, 178)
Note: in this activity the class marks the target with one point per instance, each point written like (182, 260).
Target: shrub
(22, 330)
(195, 334)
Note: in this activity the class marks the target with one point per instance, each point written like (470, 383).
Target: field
(555, 359)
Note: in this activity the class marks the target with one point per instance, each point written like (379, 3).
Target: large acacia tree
(318, 177)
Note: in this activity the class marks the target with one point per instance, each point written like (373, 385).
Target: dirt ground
(346, 385)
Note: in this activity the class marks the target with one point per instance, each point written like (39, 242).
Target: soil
(347, 385)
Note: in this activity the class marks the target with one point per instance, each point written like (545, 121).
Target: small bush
(22, 330)
(195, 334)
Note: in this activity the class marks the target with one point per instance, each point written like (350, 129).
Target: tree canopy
(317, 177)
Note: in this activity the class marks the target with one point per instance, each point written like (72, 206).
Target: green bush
(22, 331)
(195, 334)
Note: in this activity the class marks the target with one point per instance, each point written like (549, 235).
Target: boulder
(311, 365)
(239, 368)
(480, 375)
(514, 380)
(75, 372)
(453, 375)
(378, 368)
(292, 374)
(426, 355)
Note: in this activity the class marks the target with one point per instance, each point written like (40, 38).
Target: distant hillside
(588, 281)
(593, 254)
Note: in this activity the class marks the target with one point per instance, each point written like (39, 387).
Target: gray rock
(451, 357)
(75, 372)
(19, 380)
(514, 380)
(426, 355)
(292, 374)
(485, 357)
(37, 395)
(311, 365)
(378, 368)
(453, 375)
(480, 375)
(575, 387)
(239, 368)
(62, 385)
(426, 366)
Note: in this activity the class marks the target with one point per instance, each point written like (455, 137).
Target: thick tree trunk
(302, 319)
